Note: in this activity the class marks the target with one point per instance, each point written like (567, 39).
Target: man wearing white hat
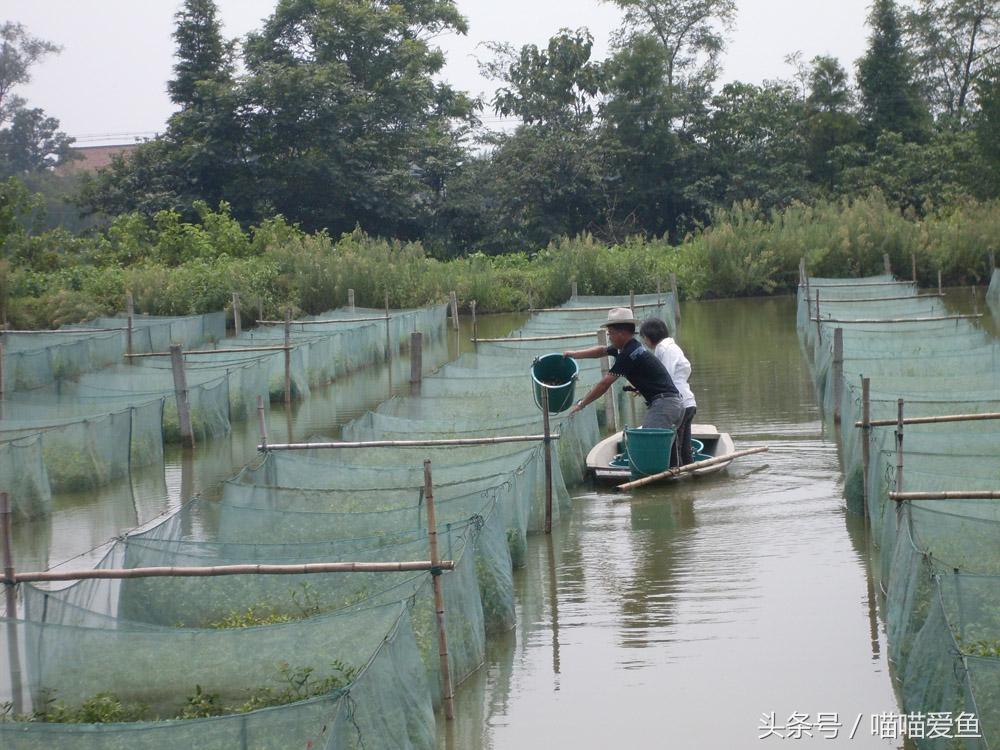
(639, 366)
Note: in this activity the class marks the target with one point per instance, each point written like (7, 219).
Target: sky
(108, 85)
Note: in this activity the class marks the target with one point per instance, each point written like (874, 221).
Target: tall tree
(890, 100)
(203, 55)
(830, 119)
(953, 41)
(19, 51)
(988, 126)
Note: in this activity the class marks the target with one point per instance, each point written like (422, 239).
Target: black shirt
(643, 370)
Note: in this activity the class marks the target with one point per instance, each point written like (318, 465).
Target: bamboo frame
(535, 338)
(886, 299)
(898, 320)
(446, 688)
(899, 445)
(231, 570)
(445, 442)
(416, 358)
(862, 283)
(262, 422)
(237, 322)
(453, 300)
(129, 316)
(838, 371)
(10, 601)
(932, 420)
(901, 497)
(597, 308)
(288, 361)
(350, 300)
(546, 448)
(325, 321)
(688, 468)
(67, 330)
(181, 395)
(866, 428)
(234, 350)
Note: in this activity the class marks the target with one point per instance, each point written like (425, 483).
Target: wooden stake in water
(237, 323)
(677, 303)
(432, 537)
(659, 286)
(350, 300)
(3, 374)
(10, 602)
(129, 315)
(886, 264)
(262, 423)
(631, 300)
(819, 331)
(181, 394)
(454, 310)
(388, 330)
(547, 447)
(899, 445)
(531, 301)
(939, 282)
(573, 289)
(838, 371)
(260, 308)
(416, 360)
(609, 395)
(288, 359)
(866, 433)
(475, 325)
(913, 261)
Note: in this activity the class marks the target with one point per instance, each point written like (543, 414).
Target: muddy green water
(678, 617)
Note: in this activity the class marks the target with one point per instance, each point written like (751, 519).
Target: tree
(953, 42)
(890, 100)
(19, 51)
(830, 119)
(203, 56)
(988, 126)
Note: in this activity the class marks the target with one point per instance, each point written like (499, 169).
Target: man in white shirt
(657, 337)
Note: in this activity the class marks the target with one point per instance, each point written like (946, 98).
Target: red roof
(93, 158)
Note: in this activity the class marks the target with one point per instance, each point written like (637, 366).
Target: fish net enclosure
(92, 418)
(939, 559)
(334, 660)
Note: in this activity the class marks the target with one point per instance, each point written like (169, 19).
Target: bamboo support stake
(260, 308)
(886, 264)
(181, 394)
(129, 314)
(232, 570)
(288, 358)
(388, 330)
(883, 299)
(546, 447)
(535, 338)
(677, 302)
(838, 371)
(802, 270)
(416, 359)
(939, 283)
(913, 263)
(631, 300)
(475, 324)
(975, 302)
(819, 331)
(573, 289)
(899, 445)
(237, 322)
(10, 603)
(934, 420)
(328, 321)
(3, 372)
(350, 300)
(900, 497)
(454, 310)
(408, 443)
(262, 423)
(866, 434)
(659, 291)
(432, 537)
(609, 395)
(597, 308)
(688, 468)
(928, 319)
(531, 301)
(199, 352)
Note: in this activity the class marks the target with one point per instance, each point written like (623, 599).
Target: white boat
(605, 463)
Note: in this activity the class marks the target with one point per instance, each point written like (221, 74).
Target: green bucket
(648, 449)
(557, 375)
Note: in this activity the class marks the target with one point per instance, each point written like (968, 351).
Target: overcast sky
(108, 85)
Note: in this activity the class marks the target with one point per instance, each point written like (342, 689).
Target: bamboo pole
(288, 358)
(416, 359)
(327, 321)
(934, 420)
(475, 324)
(819, 331)
(940, 293)
(883, 299)
(546, 447)
(975, 302)
(129, 316)
(886, 264)
(866, 432)
(863, 283)
(260, 307)
(899, 445)
(10, 603)
(232, 570)
(237, 322)
(610, 412)
(262, 422)
(595, 308)
(913, 262)
(444, 442)
(900, 497)
(631, 300)
(388, 329)
(573, 289)
(197, 352)
(688, 468)
(531, 303)
(838, 371)
(454, 310)
(900, 320)
(659, 286)
(3, 373)
(677, 303)
(432, 537)
(181, 394)
(350, 300)
(802, 270)
(536, 338)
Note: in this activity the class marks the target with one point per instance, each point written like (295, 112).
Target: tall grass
(176, 268)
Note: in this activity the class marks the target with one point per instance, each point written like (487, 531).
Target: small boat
(607, 463)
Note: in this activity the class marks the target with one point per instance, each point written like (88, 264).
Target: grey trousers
(665, 412)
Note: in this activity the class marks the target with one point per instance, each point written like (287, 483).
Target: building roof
(93, 158)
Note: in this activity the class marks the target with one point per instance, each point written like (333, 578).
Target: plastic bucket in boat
(648, 449)
(557, 375)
